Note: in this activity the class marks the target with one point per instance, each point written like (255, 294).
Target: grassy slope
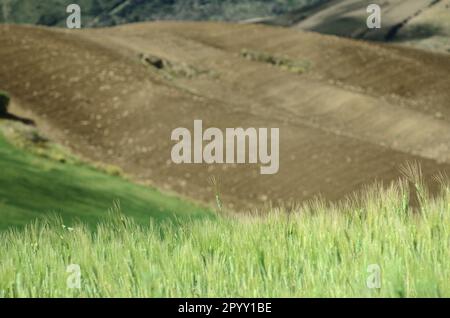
(318, 251)
(32, 186)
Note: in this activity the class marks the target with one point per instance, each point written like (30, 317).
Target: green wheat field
(313, 250)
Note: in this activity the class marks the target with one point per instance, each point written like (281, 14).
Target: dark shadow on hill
(350, 27)
(13, 117)
(419, 32)
(343, 26)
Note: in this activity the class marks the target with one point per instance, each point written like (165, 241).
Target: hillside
(428, 30)
(421, 23)
(35, 184)
(97, 13)
(353, 115)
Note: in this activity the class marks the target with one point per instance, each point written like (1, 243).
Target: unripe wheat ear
(214, 182)
(418, 192)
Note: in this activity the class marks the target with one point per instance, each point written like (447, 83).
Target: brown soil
(357, 113)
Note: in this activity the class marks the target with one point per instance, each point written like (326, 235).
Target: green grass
(316, 250)
(33, 186)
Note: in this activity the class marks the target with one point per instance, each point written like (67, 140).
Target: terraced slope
(353, 113)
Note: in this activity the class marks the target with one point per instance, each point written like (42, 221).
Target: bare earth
(357, 113)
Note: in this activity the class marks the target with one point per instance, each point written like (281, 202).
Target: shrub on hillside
(284, 63)
(4, 102)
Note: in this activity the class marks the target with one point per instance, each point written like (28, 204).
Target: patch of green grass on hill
(373, 246)
(33, 186)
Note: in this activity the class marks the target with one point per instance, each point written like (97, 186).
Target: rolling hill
(421, 23)
(352, 115)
